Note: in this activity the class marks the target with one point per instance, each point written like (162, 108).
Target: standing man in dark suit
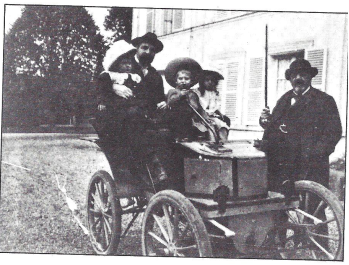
(301, 133)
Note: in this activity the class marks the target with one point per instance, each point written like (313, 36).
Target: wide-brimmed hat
(301, 65)
(150, 38)
(183, 63)
(114, 52)
(215, 74)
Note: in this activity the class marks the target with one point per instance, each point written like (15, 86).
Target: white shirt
(293, 100)
(209, 101)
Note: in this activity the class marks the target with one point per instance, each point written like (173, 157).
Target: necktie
(295, 98)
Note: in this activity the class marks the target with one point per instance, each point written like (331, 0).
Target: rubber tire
(116, 212)
(332, 201)
(190, 213)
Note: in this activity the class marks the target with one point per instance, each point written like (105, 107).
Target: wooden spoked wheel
(173, 227)
(315, 228)
(103, 214)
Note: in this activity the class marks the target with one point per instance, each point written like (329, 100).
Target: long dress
(210, 103)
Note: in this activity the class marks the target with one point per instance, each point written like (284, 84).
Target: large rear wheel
(315, 228)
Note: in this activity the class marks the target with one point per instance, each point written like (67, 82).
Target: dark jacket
(148, 93)
(313, 129)
(150, 90)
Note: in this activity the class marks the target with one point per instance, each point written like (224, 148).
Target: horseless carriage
(224, 196)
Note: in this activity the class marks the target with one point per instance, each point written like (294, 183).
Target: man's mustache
(146, 57)
(299, 82)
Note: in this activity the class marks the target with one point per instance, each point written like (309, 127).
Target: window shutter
(167, 21)
(318, 59)
(150, 20)
(255, 92)
(177, 19)
(231, 91)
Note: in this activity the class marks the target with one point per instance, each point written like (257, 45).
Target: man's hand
(122, 91)
(101, 107)
(161, 105)
(265, 117)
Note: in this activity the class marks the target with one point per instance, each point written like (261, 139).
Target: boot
(157, 170)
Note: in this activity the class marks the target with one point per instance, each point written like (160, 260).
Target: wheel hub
(171, 247)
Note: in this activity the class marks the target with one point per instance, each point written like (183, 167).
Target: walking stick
(266, 68)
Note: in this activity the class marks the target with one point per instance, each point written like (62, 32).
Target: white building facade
(234, 43)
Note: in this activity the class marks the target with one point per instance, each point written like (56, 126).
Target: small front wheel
(103, 214)
(173, 227)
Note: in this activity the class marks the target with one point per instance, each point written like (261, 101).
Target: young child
(121, 73)
(209, 100)
(182, 73)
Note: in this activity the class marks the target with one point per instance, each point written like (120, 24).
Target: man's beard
(146, 59)
(183, 86)
(299, 85)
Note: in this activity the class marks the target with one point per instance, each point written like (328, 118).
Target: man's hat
(184, 63)
(300, 65)
(150, 38)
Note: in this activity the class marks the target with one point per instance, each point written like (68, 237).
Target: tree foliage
(51, 55)
(54, 40)
(119, 20)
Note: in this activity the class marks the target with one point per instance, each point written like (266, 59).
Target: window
(178, 19)
(150, 20)
(283, 63)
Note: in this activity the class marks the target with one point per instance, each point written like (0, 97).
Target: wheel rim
(169, 233)
(100, 212)
(315, 231)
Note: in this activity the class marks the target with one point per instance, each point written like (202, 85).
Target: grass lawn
(33, 211)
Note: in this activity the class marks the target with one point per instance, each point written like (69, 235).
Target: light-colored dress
(210, 103)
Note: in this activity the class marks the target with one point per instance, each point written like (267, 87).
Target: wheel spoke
(158, 238)
(94, 211)
(322, 248)
(292, 218)
(107, 215)
(318, 208)
(97, 203)
(106, 233)
(306, 203)
(168, 222)
(186, 228)
(187, 247)
(326, 222)
(99, 196)
(163, 231)
(94, 225)
(179, 254)
(316, 220)
(104, 194)
(175, 225)
(107, 223)
(324, 236)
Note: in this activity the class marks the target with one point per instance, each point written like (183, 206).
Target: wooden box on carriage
(243, 171)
